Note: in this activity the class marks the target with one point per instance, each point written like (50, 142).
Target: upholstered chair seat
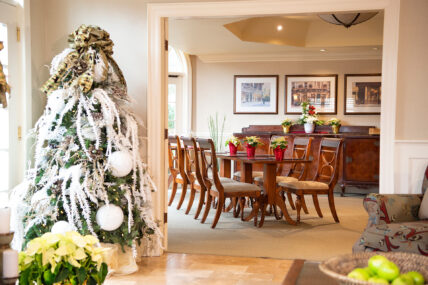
(239, 187)
(314, 185)
(255, 174)
(279, 179)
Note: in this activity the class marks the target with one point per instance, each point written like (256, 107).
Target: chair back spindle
(209, 164)
(328, 164)
(181, 159)
(301, 150)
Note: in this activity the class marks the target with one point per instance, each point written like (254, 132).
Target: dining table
(270, 164)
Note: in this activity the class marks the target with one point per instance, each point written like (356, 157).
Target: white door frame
(156, 91)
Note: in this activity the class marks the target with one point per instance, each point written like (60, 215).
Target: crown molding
(315, 56)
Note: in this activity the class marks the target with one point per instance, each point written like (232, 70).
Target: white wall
(214, 83)
(411, 146)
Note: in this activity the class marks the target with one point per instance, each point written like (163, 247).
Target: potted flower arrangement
(286, 124)
(233, 143)
(309, 117)
(251, 144)
(279, 146)
(335, 125)
(68, 258)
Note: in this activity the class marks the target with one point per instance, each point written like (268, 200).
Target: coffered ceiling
(302, 37)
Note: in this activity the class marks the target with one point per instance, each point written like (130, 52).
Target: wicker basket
(340, 266)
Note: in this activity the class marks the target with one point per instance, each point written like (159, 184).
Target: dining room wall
(213, 90)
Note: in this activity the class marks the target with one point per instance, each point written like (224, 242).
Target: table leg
(269, 185)
(225, 168)
(247, 173)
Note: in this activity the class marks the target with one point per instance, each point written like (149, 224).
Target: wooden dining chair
(177, 168)
(193, 174)
(324, 180)
(216, 189)
(297, 171)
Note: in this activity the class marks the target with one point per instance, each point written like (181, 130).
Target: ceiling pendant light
(347, 19)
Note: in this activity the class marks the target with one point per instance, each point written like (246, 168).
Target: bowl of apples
(396, 268)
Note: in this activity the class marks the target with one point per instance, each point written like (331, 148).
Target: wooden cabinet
(359, 165)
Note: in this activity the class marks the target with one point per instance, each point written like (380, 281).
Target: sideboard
(359, 157)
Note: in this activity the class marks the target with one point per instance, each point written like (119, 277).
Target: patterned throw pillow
(423, 209)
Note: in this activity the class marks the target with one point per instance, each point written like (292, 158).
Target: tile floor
(177, 269)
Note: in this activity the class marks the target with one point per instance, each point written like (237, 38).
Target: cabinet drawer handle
(348, 159)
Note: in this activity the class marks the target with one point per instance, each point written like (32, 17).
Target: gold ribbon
(77, 69)
(4, 87)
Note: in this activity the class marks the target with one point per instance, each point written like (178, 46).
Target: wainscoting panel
(411, 160)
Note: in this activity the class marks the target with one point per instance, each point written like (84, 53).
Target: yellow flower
(90, 239)
(47, 256)
(51, 238)
(35, 246)
(73, 262)
(65, 248)
(77, 239)
(79, 254)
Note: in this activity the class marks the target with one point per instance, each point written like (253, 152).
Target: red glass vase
(251, 151)
(233, 149)
(279, 153)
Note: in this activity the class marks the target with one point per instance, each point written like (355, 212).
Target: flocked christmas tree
(87, 170)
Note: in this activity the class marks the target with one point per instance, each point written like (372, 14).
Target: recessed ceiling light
(279, 27)
(323, 49)
(375, 48)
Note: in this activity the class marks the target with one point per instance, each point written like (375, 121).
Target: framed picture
(255, 94)
(319, 90)
(362, 94)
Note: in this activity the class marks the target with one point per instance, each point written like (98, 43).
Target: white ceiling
(209, 39)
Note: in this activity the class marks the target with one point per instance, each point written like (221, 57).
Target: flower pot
(251, 151)
(279, 153)
(309, 128)
(233, 149)
(335, 129)
(286, 129)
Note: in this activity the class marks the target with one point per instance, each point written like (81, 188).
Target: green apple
(378, 280)
(369, 271)
(376, 261)
(417, 277)
(403, 280)
(359, 274)
(388, 270)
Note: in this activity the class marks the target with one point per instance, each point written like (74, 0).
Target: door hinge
(18, 34)
(165, 218)
(166, 134)
(166, 45)
(19, 133)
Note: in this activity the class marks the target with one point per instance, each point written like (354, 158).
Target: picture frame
(363, 94)
(255, 94)
(319, 89)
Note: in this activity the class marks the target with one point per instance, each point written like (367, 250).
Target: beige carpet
(313, 239)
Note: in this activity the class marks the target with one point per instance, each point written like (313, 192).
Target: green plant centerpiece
(68, 258)
(216, 129)
(279, 146)
(335, 125)
(251, 143)
(286, 124)
(233, 143)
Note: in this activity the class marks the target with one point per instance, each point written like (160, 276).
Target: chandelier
(347, 19)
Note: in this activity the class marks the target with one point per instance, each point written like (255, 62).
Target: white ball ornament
(61, 227)
(121, 163)
(109, 217)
